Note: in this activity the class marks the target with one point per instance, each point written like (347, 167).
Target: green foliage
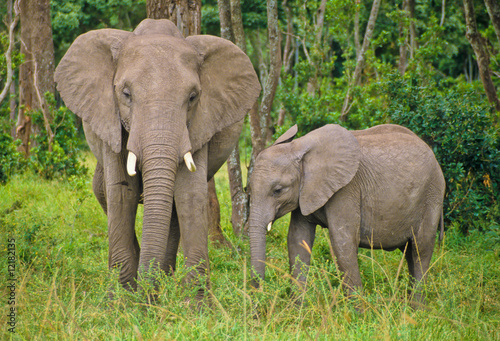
(65, 158)
(459, 125)
(11, 161)
(63, 161)
(16, 56)
(70, 18)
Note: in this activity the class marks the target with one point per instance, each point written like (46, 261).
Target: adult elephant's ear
(330, 159)
(84, 78)
(229, 87)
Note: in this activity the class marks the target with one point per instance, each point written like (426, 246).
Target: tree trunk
(478, 43)
(239, 197)
(237, 23)
(288, 51)
(161, 9)
(287, 54)
(36, 74)
(494, 12)
(413, 29)
(186, 14)
(360, 61)
(10, 87)
(443, 12)
(403, 50)
(226, 26)
(320, 21)
(356, 29)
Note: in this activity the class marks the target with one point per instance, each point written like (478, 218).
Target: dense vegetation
(46, 202)
(63, 286)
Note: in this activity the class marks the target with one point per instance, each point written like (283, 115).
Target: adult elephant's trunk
(159, 167)
(257, 232)
(159, 144)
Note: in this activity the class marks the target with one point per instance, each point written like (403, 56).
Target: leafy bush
(11, 161)
(459, 125)
(65, 158)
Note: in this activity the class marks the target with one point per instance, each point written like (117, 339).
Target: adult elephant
(149, 99)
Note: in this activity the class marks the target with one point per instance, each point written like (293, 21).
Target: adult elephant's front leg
(122, 198)
(191, 201)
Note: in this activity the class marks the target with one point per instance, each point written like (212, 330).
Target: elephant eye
(278, 190)
(192, 97)
(127, 94)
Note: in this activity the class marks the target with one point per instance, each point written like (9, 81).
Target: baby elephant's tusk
(188, 159)
(269, 226)
(131, 160)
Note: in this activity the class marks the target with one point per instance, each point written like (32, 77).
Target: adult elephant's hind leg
(419, 255)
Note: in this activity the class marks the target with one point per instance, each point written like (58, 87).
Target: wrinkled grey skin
(158, 95)
(379, 188)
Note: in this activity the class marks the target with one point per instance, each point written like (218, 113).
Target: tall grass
(63, 283)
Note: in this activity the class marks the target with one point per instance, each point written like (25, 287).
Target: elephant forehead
(161, 49)
(276, 165)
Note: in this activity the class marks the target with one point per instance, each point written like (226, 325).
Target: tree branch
(8, 53)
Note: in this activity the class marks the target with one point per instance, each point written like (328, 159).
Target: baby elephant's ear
(331, 157)
(287, 136)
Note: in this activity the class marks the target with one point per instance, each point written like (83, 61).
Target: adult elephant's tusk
(131, 160)
(188, 159)
(269, 226)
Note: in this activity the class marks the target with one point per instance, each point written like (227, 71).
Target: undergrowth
(63, 289)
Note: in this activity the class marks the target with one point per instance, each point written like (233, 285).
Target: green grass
(62, 291)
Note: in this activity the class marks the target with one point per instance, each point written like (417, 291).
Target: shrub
(459, 126)
(11, 161)
(65, 158)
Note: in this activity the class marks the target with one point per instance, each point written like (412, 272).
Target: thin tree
(478, 43)
(259, 119)
(36, 74)
(232, 29)
(494, 12)
(403, 48)
(360, 60)
(12, 23)
(186, 14)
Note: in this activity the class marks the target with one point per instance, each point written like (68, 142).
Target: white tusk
(131, 160)
(269, 226)
(188, 159)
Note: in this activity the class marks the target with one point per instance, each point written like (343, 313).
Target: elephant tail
(441, 233)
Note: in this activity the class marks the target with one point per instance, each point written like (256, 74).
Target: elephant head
(297, 174)
(159, 96)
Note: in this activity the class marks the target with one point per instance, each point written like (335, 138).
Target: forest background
(432, 66)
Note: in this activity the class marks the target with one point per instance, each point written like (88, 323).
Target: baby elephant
(379, 188)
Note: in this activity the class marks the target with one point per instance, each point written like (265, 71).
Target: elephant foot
(417, 301)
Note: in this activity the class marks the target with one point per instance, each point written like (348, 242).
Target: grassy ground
(62, 284)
